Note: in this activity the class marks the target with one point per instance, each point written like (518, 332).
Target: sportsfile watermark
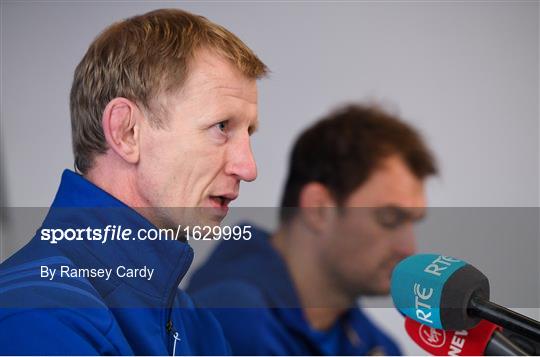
(501, 242)
(113, 232)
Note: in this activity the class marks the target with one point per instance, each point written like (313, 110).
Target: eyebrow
(407, 212)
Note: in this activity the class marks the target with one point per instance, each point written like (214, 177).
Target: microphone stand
(500, 345)
(504, 317)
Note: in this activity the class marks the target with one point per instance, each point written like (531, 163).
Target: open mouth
(220, 201)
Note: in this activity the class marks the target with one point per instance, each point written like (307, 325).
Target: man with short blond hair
(162, 109)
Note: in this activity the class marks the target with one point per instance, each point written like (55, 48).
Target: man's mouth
(222, 201)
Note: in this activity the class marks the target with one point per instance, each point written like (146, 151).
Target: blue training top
(73, 315)
(248, 288)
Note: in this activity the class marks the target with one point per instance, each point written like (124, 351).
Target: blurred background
(466, 74)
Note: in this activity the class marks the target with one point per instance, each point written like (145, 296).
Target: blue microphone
(449, 294)
(431, 289)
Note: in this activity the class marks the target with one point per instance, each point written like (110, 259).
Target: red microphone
(485, 339)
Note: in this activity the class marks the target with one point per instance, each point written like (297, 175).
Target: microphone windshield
(435, 290)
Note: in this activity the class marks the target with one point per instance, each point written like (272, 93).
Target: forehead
(391, 183)
(210, 72)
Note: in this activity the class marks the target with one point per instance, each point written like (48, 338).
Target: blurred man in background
(354, 190)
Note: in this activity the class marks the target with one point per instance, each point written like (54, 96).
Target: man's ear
(121, 126)
(315, 203)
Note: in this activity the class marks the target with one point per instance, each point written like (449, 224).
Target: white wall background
(465, 73)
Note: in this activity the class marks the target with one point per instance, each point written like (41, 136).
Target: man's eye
(222, 126)
(391, 218)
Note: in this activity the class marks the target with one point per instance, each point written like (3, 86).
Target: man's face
(374, 230)
(204, 151)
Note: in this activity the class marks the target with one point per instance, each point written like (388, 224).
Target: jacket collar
(80, 204)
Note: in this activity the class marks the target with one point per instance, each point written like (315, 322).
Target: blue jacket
(92, 315)
(247, 287)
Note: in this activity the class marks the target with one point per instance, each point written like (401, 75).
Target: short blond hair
(139, 58)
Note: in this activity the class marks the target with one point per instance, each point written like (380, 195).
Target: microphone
(485, 339)
(447, 293)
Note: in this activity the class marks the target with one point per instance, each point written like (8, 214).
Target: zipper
(171, 331)
(352, 335)
(169, 327)
(177, 338)
(170, 299)
(175, 335)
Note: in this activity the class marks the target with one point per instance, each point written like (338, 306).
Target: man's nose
(406, 243)
(241, 162)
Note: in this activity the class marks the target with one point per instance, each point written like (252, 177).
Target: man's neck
(321, 301)
(118, 184)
